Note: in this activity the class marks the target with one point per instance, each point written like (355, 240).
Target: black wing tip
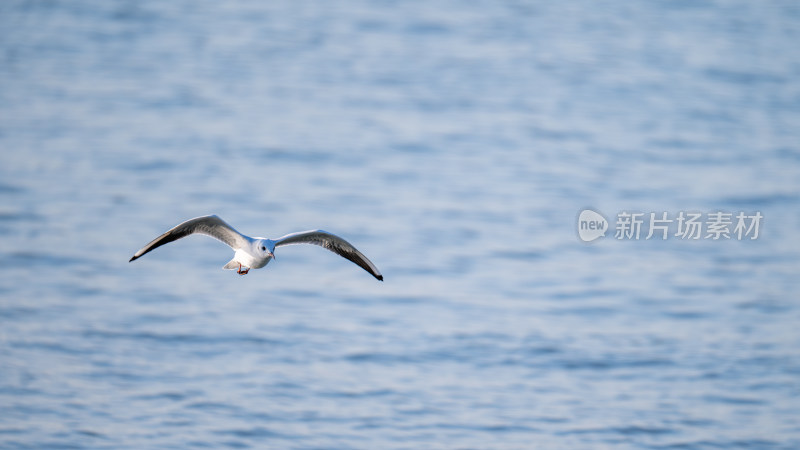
(132, 258)
(379, 277)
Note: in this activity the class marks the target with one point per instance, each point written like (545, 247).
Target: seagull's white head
(265, 248)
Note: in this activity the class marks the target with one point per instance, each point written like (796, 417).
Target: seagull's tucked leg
(242, 272)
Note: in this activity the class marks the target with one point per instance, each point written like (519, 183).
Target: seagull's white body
(255, 253)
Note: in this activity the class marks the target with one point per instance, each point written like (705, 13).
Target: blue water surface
(455, 143)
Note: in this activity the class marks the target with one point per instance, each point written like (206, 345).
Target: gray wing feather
(333, 243)
(208, 225)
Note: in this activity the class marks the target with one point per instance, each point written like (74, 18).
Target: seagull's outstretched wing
(209, 225)
(333, 243)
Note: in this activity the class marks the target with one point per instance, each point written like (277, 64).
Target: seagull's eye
(263, 248)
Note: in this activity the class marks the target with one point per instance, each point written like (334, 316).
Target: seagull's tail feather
(232, 265)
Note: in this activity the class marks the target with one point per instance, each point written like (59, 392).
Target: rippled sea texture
(455, 144)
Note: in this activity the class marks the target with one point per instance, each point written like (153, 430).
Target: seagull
(255, 253)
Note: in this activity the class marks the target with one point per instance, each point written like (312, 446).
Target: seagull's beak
(272, 255)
